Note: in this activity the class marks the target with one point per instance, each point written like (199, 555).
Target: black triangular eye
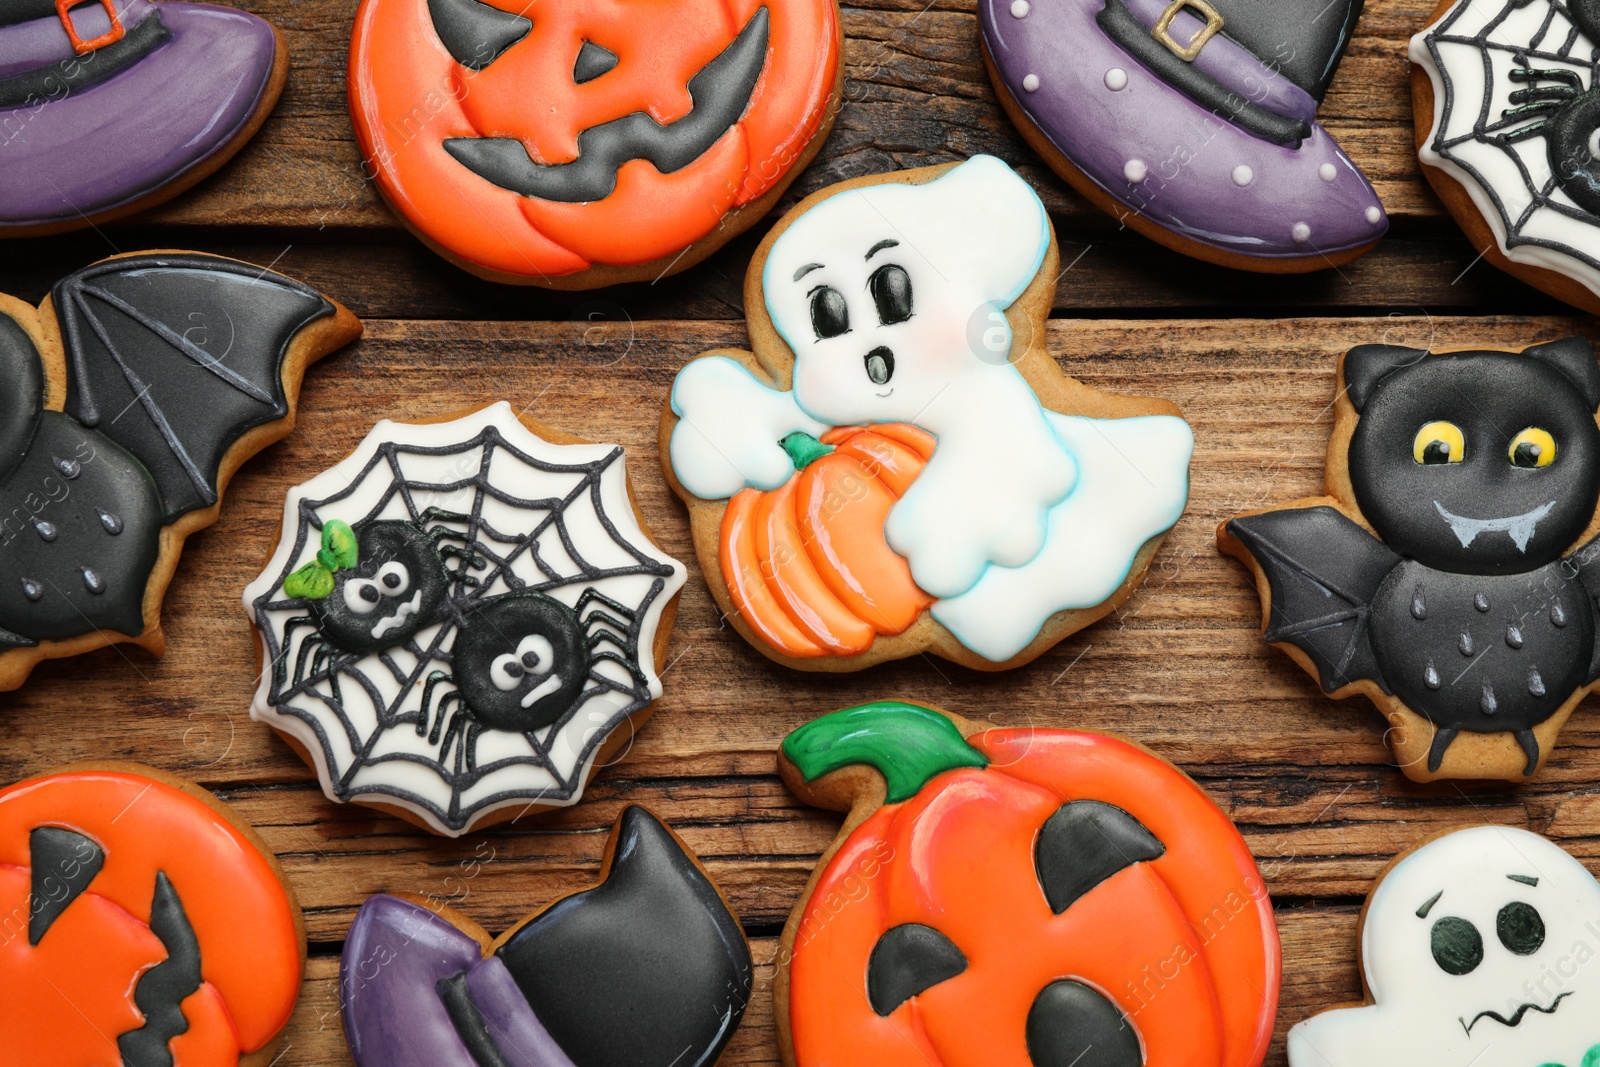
(1084, 843)
(908, 960)
(475, 33)
(63, 863)
(593, 61)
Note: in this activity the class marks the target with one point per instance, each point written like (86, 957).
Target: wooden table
(1181, 668)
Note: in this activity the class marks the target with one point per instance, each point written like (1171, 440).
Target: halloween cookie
(1194, 123)
(110, 107)
(1017, 898)
(462, 620)
(1441, 577)
(1474, 949)
(127, 401)
(901, 466)
(649, 966)
(589, 142)
(1506, 108)
(146, 925)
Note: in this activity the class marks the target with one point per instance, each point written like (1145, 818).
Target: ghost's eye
(361, 596)
(1457, 946)
(1520, 928)
(1532, 447)
(830, 317)
(393, 578)
(1439, 442)
(891, 291)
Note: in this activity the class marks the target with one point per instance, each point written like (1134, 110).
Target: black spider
(1568, 116)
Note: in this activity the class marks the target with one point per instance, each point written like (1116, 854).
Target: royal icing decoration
(459, 616)
(1455, 597)
(647, 967)
(1019, 898)
(1514, 111)
(1194, 119)
(534, 144)
(891, 299)
(1475, 948)
(143, 928)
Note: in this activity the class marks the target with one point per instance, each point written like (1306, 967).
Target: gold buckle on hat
(1187, 52)
(79, 45)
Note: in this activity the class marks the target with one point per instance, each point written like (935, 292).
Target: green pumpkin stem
(905, 743)
(804, 449)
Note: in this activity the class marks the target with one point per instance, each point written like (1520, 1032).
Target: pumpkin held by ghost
(579, 143)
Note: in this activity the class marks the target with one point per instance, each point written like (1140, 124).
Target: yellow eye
(1532, 447)
(1440, 442)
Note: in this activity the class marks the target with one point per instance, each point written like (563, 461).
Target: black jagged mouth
(161, 990)
(1516, 1017)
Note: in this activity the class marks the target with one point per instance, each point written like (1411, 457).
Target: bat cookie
(147, 925)
(649, 966)
(579, 143)
(127, 401)
(901, 466)
(463, 620)
(1448, 576)
(1017, 898)
(1474, 949)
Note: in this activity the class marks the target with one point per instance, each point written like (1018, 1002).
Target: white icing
(1374, 216)
(1030, 82)
(334, 746)
(1116, 79)
(1421, 1013)
(1021, 512)
(1243, 175)
(1020, 9)
(729, 426)
(1135, 170)
(1480, 83)
(1301, 233)
(1327, 172)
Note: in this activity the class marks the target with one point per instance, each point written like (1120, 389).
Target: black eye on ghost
(1444, 442)
(1457, 943)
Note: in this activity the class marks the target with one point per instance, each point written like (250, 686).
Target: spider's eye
(830, 316)
(891, 291)
(536, 652)
(1532, 447)
(393, 578)
(534, 655)
(506, 672)
(361, 595)
(1439, 442)
(1457, 946)
(1520, 928)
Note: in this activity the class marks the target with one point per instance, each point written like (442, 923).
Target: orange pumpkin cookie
(1017, 898)
(580, 143)
(145, 925)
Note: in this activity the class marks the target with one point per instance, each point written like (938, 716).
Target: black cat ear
(1366, 365)
(62, 864)
(474, 33)
(1574, 357)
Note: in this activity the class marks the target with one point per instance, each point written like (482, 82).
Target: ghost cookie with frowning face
(1475, 949)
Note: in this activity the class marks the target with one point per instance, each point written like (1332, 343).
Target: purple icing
(30, 45)
(394, 958)
(1163, 156)
(86, 151)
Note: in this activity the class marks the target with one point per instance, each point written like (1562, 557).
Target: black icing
(1305, 47)
(1072, 1025)
(471, 1027)
(389, 541)
(1520, 928)
(830, 313)
(908, 960)
(653, 945)
(43, 84)
(891, 291)
(162, 989)
(593, 61)
(492, 641)
(476, 34)
(1084, 843)
(721, 91)
(21, 393)
(1457, 945)
(61, 864)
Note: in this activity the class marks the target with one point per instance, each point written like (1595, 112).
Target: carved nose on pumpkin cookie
(1072, 1025)
(880, 365)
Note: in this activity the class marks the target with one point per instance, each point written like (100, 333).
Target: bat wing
(1322, 571)
(176, 357)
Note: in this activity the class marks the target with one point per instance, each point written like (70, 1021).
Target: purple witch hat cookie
(111, 107)
(1193, 122)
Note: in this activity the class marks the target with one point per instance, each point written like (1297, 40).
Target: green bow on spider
(339, 552)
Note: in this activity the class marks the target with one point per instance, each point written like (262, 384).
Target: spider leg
(592, 595)
(470, 743)
(450, 700)
(1533, 129)
(631, 668)
(456, 728)
(280, 666)
(425, 712)
(1547, 97)
(1552, 74)
(310, 649)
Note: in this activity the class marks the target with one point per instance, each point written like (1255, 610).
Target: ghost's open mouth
(1516, 1016)
(543, 689)
(401, 614)
(1520, 527)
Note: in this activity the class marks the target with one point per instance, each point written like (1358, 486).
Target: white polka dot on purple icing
(1135, 170)
(1301, 233)
(1020, 9)
(1030, 82)
(1243, 175)
(1374, 215)
(1328, 172)
(1116, 79)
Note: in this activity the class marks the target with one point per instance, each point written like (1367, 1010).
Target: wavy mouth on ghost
(1516, 1017)
(401, 614)
(1520, 527)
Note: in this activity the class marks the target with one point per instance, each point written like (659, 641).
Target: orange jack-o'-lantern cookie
(579, 143)
(144, 925)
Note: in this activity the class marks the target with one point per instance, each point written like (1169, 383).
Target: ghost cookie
(649, 966)
(146, 925)
(901, 466)
(1194, 123)
(584, 143)
(1474, 949)
(127, 402)
(1017, 898)
(1448, 575)
(463, 620)
(1506, 111)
